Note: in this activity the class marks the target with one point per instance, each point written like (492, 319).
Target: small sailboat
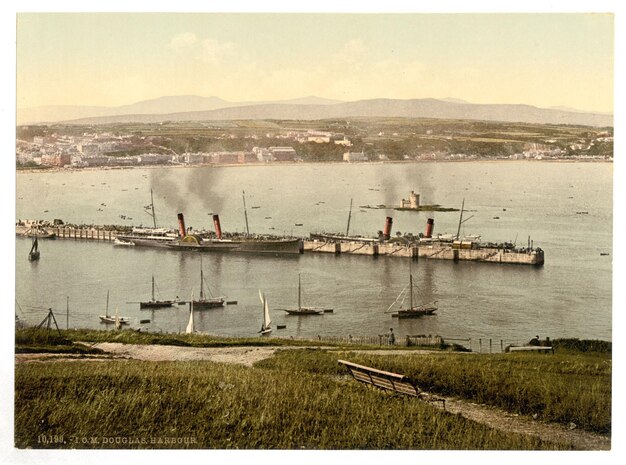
(117, 320)
(267, 321)
(206, 302)
(34, 254)
(153, 303)
(305, 310)
(413, 311)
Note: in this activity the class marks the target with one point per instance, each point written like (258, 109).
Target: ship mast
(461, 221)
(299, 291)
(349, 216)
(152, 205)
(201, 280)
(410, 291)
(458, 231)
(245, 212)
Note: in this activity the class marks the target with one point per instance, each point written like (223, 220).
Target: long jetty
(72, 232)
(429, 251)
(530, 256)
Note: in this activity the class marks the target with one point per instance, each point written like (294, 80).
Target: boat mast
(201, 281)
(34, 246)
(299, 291)
(106, 312)
(153, 214)
(410, 291)
(458, 231)
(349, 216)
(245, 212)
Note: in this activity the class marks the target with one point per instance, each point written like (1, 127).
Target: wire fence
(477, 345)
(380, 340)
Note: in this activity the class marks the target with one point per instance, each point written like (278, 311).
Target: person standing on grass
(392, 337)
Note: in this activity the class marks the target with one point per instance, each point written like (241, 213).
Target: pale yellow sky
(113, 59)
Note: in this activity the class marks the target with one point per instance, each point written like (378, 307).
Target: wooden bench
(532, 349)
(386, 380)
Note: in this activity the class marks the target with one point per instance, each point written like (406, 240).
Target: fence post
(480, 345)
(501, 345)
(489, 345)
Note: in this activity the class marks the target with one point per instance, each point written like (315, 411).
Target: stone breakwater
(466, 251)
(437, 251)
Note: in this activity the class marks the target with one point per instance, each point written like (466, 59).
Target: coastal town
(66, 147)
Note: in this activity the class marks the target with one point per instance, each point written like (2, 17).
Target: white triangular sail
(266, 315)
(190, 328)
(265, 327)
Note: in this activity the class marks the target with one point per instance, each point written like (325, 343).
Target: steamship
(151, 237)
(183, 240)
(427, 245)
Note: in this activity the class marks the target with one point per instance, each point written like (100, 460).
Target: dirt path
(161, 353)
(480, 413)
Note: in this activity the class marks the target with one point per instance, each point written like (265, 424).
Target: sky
(111, 59)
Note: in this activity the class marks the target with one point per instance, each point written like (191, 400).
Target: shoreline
(295, 163)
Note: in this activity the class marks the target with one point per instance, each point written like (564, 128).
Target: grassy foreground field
(132, 404)
(301, 398)
(563, 388)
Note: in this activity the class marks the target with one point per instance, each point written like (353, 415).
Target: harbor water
(565, 208)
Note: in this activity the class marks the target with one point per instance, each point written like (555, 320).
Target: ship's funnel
(181, 225)
(429, 227)
(218, 229)
(387, 230)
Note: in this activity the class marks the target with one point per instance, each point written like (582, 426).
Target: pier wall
(397, 250)
(359, 248)
(321, 246)
(96, 234)
(437, 252)
(373, 249)
(481, 255)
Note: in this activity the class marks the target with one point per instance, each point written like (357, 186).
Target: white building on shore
(351, 157)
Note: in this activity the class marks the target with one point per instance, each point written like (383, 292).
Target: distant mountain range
(194, 108)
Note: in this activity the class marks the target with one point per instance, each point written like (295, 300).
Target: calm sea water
(508, 201)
